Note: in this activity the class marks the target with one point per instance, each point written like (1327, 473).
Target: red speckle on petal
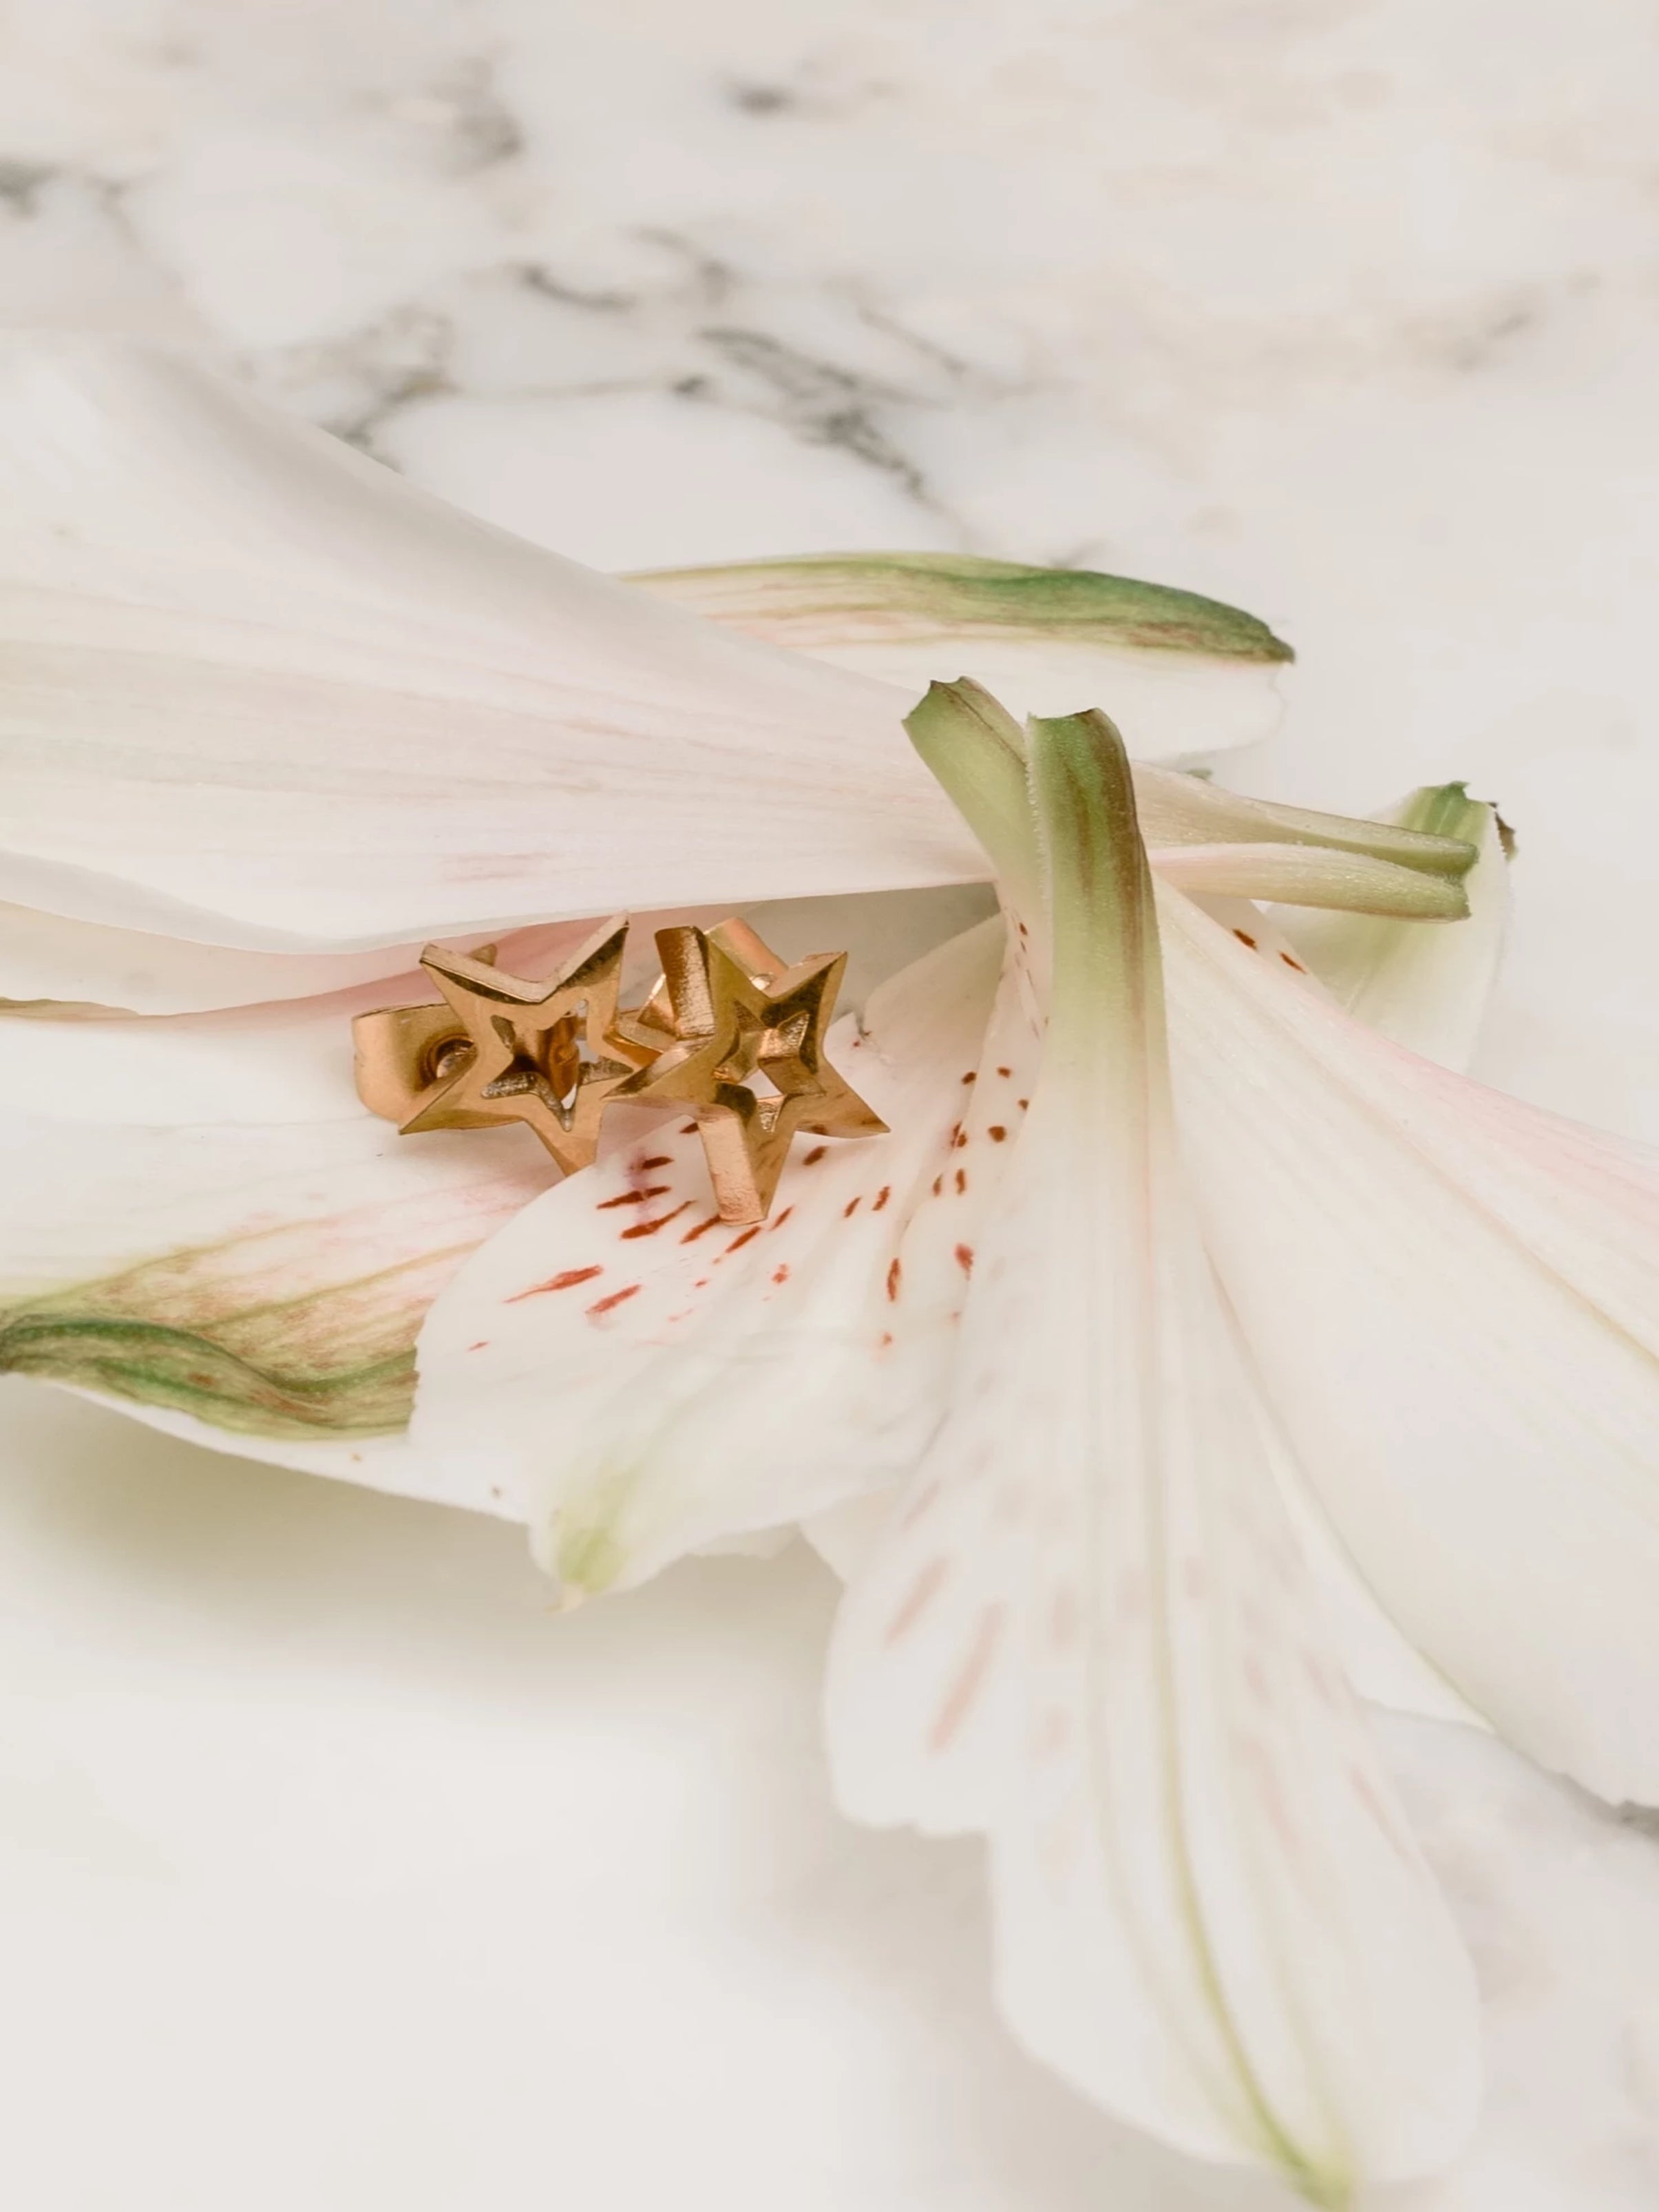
(939, 1184)
(747, 1237)
(882, 1197)
(482, 1345)
(922, 1592)
(965, 1258)
(701, 1229)
(963, 1692)
(616, 1299)
(650, 1228)
(781, 1275)
(895, 1277)
(783, 1217)
(885, 1339)
(567, 1281)
(632, 1197)
(960, 1140)
(961, 1181)
(852, 1207)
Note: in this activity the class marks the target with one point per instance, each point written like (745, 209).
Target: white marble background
(332, 1872)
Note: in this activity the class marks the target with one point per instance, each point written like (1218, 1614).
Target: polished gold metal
(504, 1048)
(739, 1040)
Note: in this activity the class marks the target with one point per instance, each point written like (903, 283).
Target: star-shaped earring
(739, 1040)
(502, 1048)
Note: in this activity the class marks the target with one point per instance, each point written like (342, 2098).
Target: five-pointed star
(521, 1057)
(744, 1050)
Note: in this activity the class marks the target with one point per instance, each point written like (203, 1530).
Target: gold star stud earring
(739, 1040)
(501, 1048)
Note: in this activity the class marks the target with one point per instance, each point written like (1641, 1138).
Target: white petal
(47, 958)
(1352, 882)
(1452, 1300)
(1181, 674)
(259, 692)
(1426, 989)
(256, 1280)
(655, 1379)
(1088, 1630)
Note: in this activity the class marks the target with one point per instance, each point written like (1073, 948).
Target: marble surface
(334, 1870)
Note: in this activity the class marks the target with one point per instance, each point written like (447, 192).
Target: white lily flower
(269, 719)
(1170, 1382)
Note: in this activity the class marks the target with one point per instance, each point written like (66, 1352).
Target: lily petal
(1352, 882)
(654, 1380)
(257, 1287)
(47, 960)
(1426, 989)
(1182, 673)
(1452, 1301)
(260, 693)
(1088, 1630)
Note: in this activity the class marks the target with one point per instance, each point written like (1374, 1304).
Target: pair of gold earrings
(729, 1033)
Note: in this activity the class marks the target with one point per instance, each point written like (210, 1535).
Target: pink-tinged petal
(655, 1379)
(1088, 1630)
(259, 1287)
(1182, 674)
(260, 693)
(1452, 1300)
(200, 1223)
(1427, 988)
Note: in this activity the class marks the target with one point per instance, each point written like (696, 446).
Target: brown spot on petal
(1289, 963)
(814, 1156)
(632, 1197)
(567, 1281)
(922, 1592)
(1022, 1103)
(895, 1277)
(1004, 1071)
(657, 1160)
(783, 1217)
(939, 1184)
(747, 1237)
(650, 1228)
(997, 1134)
(781, 1275)
(959, 1138)
(1244, 938)
(852, 1207)
(616, 1299)
(962, 1181)
(885, 1338)
(701, 1229)
(687, 1128)
(965, 1258)
(882, 1197)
